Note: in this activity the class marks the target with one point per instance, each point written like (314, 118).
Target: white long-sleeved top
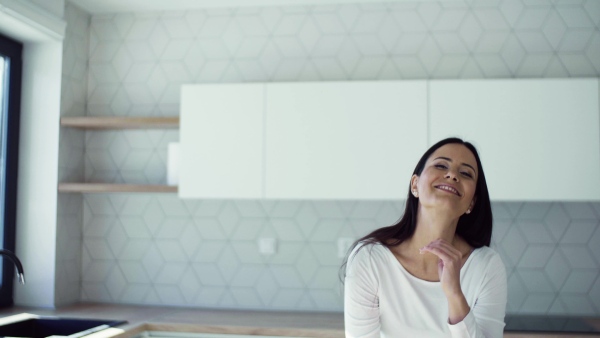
(382, 299)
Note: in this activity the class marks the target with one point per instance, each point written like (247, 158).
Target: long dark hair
(475, 228)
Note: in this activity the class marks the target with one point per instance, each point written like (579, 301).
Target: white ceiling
(111, 6)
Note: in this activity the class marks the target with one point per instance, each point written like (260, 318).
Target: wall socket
(267, 246)
(343, 245)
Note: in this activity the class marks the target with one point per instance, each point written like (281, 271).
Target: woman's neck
(430, 227)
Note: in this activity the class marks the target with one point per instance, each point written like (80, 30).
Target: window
(10, 106)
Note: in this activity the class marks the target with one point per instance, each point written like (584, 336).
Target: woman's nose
(452, 175)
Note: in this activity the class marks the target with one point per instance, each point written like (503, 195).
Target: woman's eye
(440, 166)
(467, 174)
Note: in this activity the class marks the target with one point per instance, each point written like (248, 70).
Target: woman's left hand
(449, 264)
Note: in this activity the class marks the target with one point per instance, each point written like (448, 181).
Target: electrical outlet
(343, 245)
(267, 246)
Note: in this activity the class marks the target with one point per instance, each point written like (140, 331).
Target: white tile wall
(157, 249)
(71, 157)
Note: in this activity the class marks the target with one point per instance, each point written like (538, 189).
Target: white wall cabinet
(538, 139)
(221, 141)
(329, 140)
(343, 140)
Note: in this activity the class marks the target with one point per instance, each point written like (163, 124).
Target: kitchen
(155, 249)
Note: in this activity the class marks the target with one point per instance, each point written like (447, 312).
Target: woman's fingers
(443, 250)
(448, 265)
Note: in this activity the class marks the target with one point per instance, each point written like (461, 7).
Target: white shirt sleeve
(486, 318)
(361, 299)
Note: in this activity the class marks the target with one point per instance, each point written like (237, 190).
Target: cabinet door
(221, 140)
(343, 140)
(538, 139)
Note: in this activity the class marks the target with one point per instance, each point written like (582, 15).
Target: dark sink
(55, 326)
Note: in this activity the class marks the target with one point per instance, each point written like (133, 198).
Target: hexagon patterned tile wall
(71, 157)
(157, 249)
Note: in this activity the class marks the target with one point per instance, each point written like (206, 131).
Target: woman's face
(448, 180)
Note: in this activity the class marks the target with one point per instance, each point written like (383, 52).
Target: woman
(432, 274)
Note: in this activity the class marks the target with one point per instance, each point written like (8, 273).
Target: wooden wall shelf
(110, 122)
(114, 122)
(111, 188)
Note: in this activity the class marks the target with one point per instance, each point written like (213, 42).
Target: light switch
(267, 246)
(344, 244)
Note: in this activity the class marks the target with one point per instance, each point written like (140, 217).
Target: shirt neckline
(391, 255)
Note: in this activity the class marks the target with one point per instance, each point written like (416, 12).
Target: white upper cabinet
(538, 139)
(344, 140)
(221, 141)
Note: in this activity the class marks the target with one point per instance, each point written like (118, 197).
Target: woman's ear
(413, 185)
(471, 205)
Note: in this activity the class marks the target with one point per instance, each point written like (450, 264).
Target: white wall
(41, 31)
(38, 165)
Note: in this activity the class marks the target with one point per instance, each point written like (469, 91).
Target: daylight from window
(3, 113)
(4, 63)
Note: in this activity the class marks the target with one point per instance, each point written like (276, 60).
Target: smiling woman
(432, 274)
(10, 103)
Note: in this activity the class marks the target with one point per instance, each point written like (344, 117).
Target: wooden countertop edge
(296, 324)
(132, 331)
(290, 332)
(239, 330)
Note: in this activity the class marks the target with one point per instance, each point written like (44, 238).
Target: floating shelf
(113, 122)
(96, 122)
(109, 188)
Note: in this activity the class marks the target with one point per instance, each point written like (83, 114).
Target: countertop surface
(154, 318)
(246, 322)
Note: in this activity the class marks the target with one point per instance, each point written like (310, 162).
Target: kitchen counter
(244, 322)
(153, 318)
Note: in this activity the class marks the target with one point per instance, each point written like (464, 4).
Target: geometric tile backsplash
(158, 249)
(138, 61)
(71, 157)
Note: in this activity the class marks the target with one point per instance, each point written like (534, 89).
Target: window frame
(14, 51)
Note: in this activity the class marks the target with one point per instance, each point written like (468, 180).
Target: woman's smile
(448, 188)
